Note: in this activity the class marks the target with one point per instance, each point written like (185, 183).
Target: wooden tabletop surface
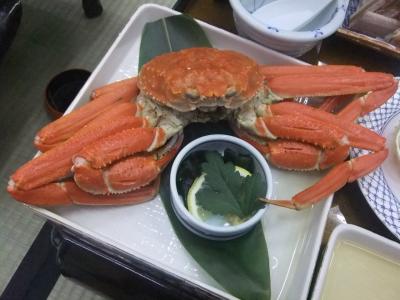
(334, 50)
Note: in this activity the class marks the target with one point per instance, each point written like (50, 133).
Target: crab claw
(305, 123)
(127, 174)
(335, 179)
(292, 155)
(120, 145)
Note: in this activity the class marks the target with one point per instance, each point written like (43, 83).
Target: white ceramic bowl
(217, 142)
(294, 43)
(358, 237)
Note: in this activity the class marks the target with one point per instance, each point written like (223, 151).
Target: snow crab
(112, 150)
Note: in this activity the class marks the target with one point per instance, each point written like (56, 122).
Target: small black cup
(62, 89)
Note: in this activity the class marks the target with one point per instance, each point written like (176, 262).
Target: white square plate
(144, 230)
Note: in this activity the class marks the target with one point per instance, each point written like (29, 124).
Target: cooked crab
(112, 150)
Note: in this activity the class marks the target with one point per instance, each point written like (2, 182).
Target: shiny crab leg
(67, 192)
(359, 106)
(57, 162)
(127, 174)
(118, 110)
(331, 103)
(114, 86)
(270, 72)
(335, 179)
(289, 86)
(367, 103)
(295, 81)
(63, 128)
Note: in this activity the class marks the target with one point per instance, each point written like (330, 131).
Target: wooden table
(334, 50)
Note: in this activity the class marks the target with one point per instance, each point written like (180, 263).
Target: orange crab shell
(200, 77)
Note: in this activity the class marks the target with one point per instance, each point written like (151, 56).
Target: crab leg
(289, 86)
(270, 72)
(63, 128)
(125, 175)
(359, 106)
(67, 192)
(335, 179)
(331, 103)
(315, 126)
(369, 102)
(295, 81)
(118, 110)
(57, 162)
(306, 129)
(113, 87)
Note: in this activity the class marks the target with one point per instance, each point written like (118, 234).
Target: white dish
(218, 142)
(144, 230)
(290, 14)
(358, 237)
(381, 188)
(294, 43)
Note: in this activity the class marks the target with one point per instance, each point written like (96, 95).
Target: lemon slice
(397, 141)
(197, 211)
(242, 172)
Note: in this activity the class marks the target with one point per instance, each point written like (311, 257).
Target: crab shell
(200, 77)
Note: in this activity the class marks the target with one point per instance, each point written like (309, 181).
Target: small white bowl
(294, 43)
(359, 238)
(217, 142)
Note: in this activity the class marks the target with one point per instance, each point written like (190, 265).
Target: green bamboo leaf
(241, 266)
(170, 34)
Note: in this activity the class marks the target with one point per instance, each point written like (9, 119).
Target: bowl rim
(287, 35)
(359, 237)
(183, 211)
(53, 82)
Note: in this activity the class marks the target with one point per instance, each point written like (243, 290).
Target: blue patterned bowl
(294, 43)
